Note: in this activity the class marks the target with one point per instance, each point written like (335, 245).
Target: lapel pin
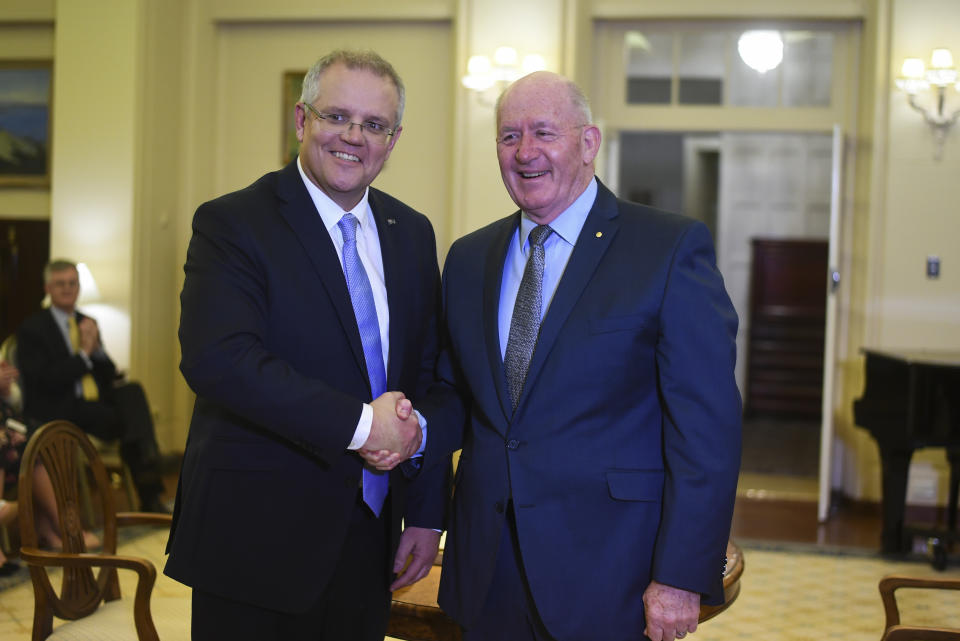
(391, 221)
(599, 234)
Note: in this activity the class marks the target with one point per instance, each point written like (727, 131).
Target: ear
(393, 140)
(299, 119)
(591, 143)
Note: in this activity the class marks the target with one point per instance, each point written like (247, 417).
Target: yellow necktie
(89, 384)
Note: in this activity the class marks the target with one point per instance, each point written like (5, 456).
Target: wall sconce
(914, 78)
(484, 75)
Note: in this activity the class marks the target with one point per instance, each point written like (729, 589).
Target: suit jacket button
(499, 507)
(513, 444)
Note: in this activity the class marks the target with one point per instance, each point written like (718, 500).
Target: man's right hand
(394, 430)
(89, 335)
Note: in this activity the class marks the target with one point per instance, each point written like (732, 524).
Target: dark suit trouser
(353, 607)
(126, 416)
(509, 612)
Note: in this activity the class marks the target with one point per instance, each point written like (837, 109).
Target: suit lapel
(390, 252)
(492, 280)
(56, 334)
(598, 231)
(301, 214)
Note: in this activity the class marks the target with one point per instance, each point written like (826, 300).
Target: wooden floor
(795, 521)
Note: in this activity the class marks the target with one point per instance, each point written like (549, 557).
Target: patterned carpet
(808, 595)
(787, 593)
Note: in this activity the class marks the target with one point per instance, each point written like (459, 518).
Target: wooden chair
(87, 599)
(894, 630)
(120, 475)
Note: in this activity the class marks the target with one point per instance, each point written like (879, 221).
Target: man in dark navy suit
(308, 295)
(595, 341)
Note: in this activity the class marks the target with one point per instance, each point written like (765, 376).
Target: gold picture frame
(292, 85)
(25, 122)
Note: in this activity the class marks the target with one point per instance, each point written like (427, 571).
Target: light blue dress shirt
(557, 249)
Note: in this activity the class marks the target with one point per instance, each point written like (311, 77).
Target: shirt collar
(569, 223)
(330, 212)
(61, 316)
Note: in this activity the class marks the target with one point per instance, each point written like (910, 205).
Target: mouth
(345, 156)
(529, 175)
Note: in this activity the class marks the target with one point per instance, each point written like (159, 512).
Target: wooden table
(415, 615)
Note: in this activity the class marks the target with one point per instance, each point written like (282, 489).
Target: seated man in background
(67, 374)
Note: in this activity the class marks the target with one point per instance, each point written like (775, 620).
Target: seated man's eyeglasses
(374, 132)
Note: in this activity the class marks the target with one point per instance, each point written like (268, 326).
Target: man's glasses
(374, 132)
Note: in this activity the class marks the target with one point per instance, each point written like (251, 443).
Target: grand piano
(911, 401)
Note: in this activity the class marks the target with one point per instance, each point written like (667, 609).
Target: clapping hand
(8, 374)
(89, 335)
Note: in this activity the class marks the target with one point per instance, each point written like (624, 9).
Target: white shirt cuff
(362, 433)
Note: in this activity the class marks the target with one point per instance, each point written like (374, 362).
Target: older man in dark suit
(308, 295)
(68, 375)
(595, 341)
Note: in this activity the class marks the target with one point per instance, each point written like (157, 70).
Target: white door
(830, 334)
(772, 185)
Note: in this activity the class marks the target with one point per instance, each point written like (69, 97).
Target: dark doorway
(24, 251)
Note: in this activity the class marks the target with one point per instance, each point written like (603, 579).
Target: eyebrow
(365, 117)
(536, 125)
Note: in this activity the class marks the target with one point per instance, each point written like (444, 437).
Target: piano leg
(896, 464)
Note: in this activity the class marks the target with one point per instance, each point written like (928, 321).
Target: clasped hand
(395, 433)
(89, 335)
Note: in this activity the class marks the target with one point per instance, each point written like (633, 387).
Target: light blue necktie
(375, 483)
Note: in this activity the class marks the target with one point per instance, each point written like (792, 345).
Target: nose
(526, 149)
(354, 137)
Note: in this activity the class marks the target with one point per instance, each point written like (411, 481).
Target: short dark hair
(367, 60)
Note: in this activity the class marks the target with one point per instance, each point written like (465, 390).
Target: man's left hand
(671, 612)
(421, 545)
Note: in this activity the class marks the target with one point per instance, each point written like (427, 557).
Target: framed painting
(25, 101)
(292, 85)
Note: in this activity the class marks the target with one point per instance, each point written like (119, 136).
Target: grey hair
(367, 60)
(578, 99)
(57, 265)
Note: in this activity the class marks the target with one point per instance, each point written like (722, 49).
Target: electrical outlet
(933, 267)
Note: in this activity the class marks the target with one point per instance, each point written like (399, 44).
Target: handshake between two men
(395, 433)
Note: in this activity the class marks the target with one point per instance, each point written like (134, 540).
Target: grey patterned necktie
(525, 323)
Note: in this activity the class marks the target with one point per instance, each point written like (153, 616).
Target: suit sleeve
(429, 492)
(443, 398)
(52, 370)
(696, 354)
(224, 318)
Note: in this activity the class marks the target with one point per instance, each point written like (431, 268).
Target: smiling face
(342, 165)
(544, 145)
(63, 287)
